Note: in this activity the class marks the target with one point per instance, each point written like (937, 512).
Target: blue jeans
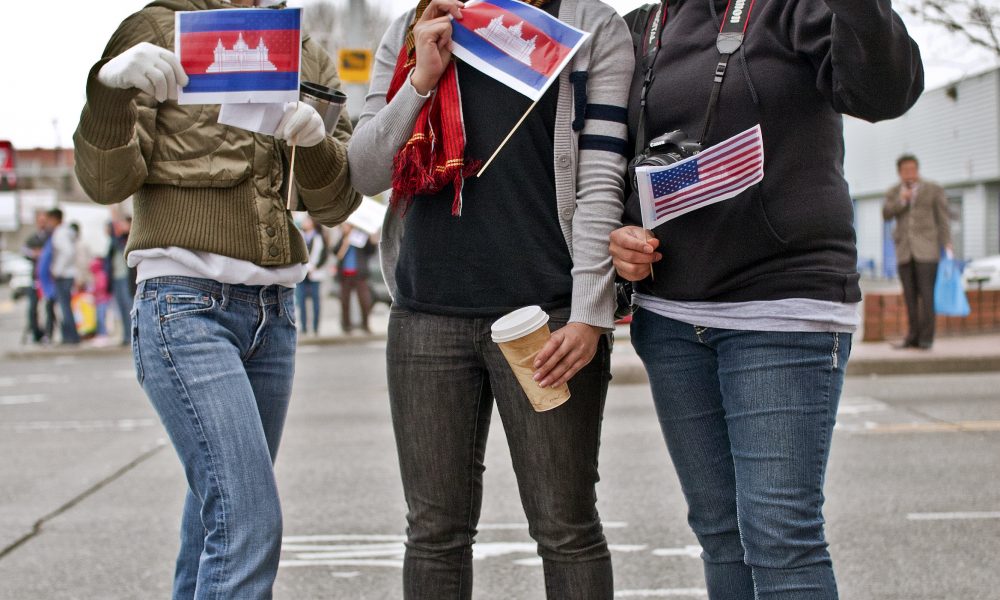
(748, 417)
(217, 363)
(308, 290)
(67, 323)
(444, 374)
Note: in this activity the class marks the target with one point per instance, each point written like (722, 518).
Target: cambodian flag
(515, 43)
(718, 173)
(239, 55)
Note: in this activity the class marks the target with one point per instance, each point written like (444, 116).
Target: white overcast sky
(48, 47)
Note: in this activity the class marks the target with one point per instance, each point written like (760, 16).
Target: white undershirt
(179, 262)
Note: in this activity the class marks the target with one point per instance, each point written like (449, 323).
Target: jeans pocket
(397, 312)
(289, 309)
(180, 304)
(136, 357)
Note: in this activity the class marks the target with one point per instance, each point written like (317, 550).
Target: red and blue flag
(515, 43)
(239, 55)
(718, 173)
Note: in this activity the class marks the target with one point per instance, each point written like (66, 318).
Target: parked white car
(984, 270)
(15, 270)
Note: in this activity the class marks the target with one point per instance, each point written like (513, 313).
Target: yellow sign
(355, 65)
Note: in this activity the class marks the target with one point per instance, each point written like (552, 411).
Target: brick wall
(885, 316)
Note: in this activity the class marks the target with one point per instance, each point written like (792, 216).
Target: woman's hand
(633, 251)
(568, 350)
(432, 36)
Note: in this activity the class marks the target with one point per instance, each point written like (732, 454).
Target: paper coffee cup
(521, 335)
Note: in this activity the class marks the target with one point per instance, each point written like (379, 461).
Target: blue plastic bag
(949, 297)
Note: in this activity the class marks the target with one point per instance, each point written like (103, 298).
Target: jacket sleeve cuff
(108, 119)
(320, 165)
(594, 300)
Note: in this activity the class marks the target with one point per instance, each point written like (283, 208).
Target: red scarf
(434, 156)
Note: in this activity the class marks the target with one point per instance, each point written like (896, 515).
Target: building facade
(954, 131)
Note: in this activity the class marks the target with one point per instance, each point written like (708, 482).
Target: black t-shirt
(507, 249)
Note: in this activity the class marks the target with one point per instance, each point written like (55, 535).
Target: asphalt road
(91, 494)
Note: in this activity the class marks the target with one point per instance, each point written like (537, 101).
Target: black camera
(662, 151)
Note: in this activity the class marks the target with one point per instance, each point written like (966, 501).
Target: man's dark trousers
(918, 290)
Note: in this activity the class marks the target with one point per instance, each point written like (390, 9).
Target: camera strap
(650, 49)
(730, 39)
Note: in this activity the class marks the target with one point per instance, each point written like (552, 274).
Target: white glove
(301, 125)
(147, 67)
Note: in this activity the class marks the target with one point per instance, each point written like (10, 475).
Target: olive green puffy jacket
(197, 184)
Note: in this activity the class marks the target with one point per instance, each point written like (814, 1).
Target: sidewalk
(970, 354)
(950, 354)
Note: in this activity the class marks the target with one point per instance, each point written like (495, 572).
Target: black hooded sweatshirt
(802, 64)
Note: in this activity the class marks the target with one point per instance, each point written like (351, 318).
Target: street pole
(357, 19)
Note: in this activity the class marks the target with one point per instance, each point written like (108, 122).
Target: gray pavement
(91, 494)
(968, 354)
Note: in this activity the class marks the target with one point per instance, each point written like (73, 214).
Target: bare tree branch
(974, 20)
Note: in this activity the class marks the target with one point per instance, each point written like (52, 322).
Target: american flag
(719, 173)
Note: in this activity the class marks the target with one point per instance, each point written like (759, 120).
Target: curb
(628, 373)
(925, 366)
(107, 351)
(624, 371)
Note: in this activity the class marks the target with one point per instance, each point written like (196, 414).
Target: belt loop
(225, 296)
(279, 298)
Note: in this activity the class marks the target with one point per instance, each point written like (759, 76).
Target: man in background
(32, 250)
(923, 229)
(63, 270)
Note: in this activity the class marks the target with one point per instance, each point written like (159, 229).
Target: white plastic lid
(519, 323)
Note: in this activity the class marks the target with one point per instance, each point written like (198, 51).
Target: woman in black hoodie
(747, 306)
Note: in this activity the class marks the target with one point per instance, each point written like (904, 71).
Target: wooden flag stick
(507, 139)
(651, 276)
(291, 175)
(291, 181)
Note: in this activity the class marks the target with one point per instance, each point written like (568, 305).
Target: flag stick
(291, 180)
(507, 139)
(647, 222)
(651, 276)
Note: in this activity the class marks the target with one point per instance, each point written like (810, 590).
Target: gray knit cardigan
(589, 156)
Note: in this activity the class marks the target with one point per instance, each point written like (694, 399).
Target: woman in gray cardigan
(532, 230)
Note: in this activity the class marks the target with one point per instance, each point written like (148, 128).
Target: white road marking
(388, 550)
(952, 516)
(342, 563)
(45, 378)
(304, 539)
(8, 382)
(524, 526)
(79, 426)
(26, 399)
(690, 551)
(346, 574)
(667, 593)
(857, 405)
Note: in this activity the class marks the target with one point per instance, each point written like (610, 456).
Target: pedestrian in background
(32, 250)
(309, 288)
(64, 272)
(745, 329)
(922, 232)
(461, 252)
(217, 258)
(122, 276)
(353, 252)
(99, 289)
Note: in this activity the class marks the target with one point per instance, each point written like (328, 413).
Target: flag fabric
(718, 173)
(517, 44)
(239, 55)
